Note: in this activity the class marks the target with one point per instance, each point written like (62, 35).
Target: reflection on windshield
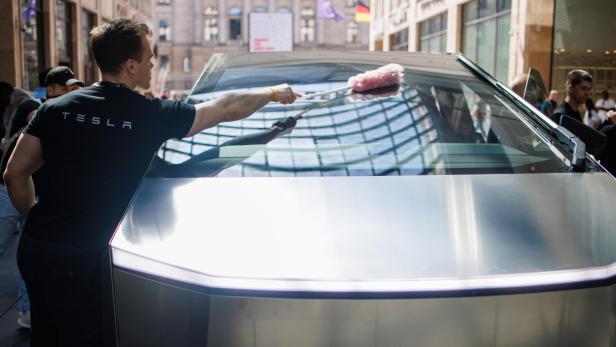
(436, 124)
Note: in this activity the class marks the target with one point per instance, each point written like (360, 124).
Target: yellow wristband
(274, 95)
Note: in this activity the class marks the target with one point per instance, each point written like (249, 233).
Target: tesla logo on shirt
(96, 120)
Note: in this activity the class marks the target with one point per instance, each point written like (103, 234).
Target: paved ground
(11, 335)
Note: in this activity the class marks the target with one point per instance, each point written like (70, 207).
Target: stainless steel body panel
(153, 313)
(373, 234)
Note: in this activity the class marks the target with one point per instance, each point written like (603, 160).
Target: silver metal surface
(152, 313)
(413, 234)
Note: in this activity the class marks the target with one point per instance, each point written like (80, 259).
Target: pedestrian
(10, 98)
(61, 80)
(591, 116)
(605, 104)
(577, 89)
(549, 105)
(57, 82)
(95, 145)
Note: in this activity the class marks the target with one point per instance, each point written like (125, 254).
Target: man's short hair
(115, 42)
(575, 77)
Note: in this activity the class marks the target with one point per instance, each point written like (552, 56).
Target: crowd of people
(579, 107)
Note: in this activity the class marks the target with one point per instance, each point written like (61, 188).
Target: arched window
(283, 10)
(259, 9)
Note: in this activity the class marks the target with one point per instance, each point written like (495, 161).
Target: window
(89, 68)
(186, 64)
(164, 31)
(210, 25)
(400, 40)
(259, 9)
(445, 122)
(433, 34)
(33, 49)
(485, 36)
(164, 2)
(235, 23)
(283, 10)
(164, 62)
(351, 34)
(64, 33)
(307, 25)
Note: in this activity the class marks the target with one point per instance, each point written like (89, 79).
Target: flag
(325, 10)
(362, 12)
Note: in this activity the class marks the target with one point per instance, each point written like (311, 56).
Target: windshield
(435, 123)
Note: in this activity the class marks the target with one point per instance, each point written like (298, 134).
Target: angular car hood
(400, 233)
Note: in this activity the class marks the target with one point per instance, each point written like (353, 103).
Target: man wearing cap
(61, 80)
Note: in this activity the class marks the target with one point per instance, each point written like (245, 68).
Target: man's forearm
(237, 106)
(21, 192)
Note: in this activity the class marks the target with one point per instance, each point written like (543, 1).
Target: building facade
(50, 33)
(189, 32)
(506, 37)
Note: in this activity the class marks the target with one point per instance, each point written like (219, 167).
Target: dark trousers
(65, 285)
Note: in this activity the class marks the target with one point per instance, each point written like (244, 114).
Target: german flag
(362, 12)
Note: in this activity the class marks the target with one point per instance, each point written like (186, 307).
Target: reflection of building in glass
(340, 138)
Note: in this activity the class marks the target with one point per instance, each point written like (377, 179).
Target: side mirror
(593, 139)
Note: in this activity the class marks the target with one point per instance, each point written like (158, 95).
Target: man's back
(97, 142)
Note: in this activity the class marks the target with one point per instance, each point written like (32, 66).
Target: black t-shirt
(97, 143)
(566, 109)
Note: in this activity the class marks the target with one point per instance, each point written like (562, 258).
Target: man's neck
(571, 101)
(118, 79)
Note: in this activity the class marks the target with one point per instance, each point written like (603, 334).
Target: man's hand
(283, 94)
(611, 115)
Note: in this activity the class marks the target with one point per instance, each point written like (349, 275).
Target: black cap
(63, 76)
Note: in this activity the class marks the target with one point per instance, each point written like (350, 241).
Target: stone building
(44, 34)
(189, 32)
(506, 37)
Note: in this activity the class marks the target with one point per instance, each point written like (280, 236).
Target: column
(296, 20)
(245, 15)
(10, 45)
(454, 24)
(223, 25)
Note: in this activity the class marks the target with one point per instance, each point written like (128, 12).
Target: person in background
(591, 116)
(40, 93)
(12, 97)
(61, 80)
(577, 87)
(95, 144)
(605, 104)
(551, 101)
(518, 83)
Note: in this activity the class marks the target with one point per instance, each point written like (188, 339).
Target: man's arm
(236, 106)
(25, 160)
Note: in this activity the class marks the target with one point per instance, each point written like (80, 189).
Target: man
(604, 105)
(61, 80)
(577, 88)
(548, 106)
(95, 145)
